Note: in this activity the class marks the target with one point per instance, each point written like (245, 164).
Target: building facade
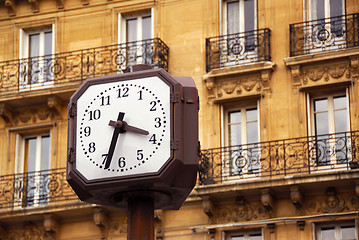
(278, 120)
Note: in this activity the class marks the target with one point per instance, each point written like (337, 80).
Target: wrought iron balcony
(34, 189)
(324, 34)
(75, 66)
(237, 49)
(296, 156)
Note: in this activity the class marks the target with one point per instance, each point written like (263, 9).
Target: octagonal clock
(133, 133)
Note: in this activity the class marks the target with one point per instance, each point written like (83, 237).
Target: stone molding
(238, 81)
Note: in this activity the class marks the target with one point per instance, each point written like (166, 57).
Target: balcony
(238, 49)
(65, 69)
(33, 189)
(281, 158)
(328, 34)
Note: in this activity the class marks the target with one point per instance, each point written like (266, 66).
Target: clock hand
(113, 141)
(125, 127)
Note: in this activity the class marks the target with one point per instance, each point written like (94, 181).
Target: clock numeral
(105, 100)
(95, 115)
(87, 131)
(122, 92)
(139, 155)
(92, 147)
(158, 122)
(153, 106)
(122, 162)
(153, 139)
(140, 95)
(104, 158)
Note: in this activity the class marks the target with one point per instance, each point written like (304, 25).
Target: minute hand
(111, 150)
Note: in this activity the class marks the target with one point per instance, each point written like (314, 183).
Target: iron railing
(280, 158)
(34, 189)
(238, 49)
(324, 34)
(75, 66)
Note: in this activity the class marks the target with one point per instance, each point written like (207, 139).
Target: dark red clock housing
(170, 186)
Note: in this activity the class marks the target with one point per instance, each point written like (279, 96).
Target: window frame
(25, 58)
(22, 170)
(316, 227)
(227, 235)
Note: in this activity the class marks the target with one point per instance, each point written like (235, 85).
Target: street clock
(134, 133)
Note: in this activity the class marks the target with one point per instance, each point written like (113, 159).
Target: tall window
(336, 231)
(328, 30)
(33, 159)
(137, 31)
(244, 235)
(36, 47)
(243, 137)
(330, 121)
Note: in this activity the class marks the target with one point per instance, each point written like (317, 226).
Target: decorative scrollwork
(238, 48)
(281, 157)
(34, 188)
(324, 34)
(29, 73)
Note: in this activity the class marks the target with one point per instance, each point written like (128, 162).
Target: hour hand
(123, 126)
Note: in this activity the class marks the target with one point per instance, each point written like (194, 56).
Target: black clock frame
(168, 187)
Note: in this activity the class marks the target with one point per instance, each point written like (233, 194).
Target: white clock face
(142, 104)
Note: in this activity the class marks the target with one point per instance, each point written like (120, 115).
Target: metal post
(140, 220)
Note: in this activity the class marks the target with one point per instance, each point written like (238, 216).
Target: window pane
(252, 132)
(336, 8)
(146, 27)
(321, 105)
(328, 233)
(348, 232)
(340, 103)
(235, 134)
(257, 236)
(31, 154)
(34, 43)
(235, 117)
(131, 27)
(321, 123)
(45, 152)
(240, 237)
(317, 9)
(249, 15)
(232, 17)
(48, 43)
(340, 121)
(252, 115)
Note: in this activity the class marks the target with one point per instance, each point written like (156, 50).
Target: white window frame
(225, 136)
(24, 52)
(316, 227)
(227, 235)
(122, 32)
(20, 167)
(331, 123)
(308, 16)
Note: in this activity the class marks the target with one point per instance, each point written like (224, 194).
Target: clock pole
(140, 222)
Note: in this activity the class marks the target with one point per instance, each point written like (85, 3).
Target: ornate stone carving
(34, 5)
(332, 202)
(267, 199)
(208, 206)
(101, 220)
(297, 196)
(29, 232)
(158, 224)
(242, 211)
(10, 4)
(6, 114)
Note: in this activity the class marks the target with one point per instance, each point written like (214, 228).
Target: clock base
(161, 199)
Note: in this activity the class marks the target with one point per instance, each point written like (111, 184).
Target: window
(239, 23)
(248, 235)
(242, 137)
(336, 231)
(136, 31)
(329, 28)
(330, 121)
(36, 48)
(33, 161)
